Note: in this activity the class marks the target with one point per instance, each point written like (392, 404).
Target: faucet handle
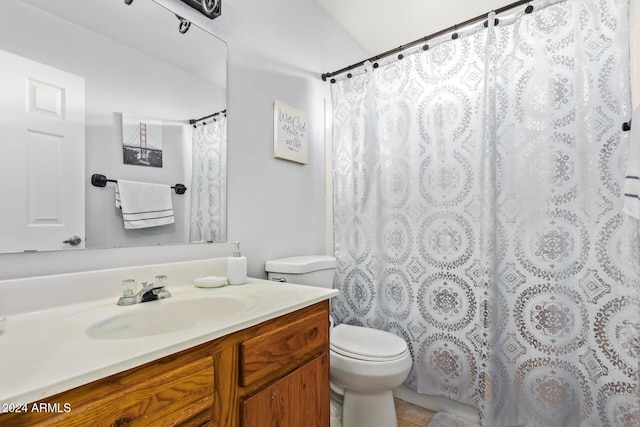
(160, 288)
(128, 292)
(161, 280)
(129, 287)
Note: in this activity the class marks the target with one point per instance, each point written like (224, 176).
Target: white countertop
(45, 352)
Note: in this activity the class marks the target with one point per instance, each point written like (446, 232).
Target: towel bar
(99, 180)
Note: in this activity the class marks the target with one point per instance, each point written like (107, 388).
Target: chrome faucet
(150, 292)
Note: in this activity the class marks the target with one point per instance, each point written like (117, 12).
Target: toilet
(366, 364)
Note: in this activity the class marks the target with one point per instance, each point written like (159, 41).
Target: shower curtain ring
(426, 45)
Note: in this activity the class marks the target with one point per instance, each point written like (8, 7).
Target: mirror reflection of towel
(632, 176)
(144, 205)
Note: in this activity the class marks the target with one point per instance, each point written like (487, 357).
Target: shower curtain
(208, 182)
(478, 215)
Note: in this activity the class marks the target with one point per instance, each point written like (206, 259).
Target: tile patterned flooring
(410, 415)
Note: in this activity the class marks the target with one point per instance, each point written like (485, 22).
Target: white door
(41, 156)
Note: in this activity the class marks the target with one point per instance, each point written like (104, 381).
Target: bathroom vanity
(266, 364)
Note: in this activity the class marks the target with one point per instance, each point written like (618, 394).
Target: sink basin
(166, 316)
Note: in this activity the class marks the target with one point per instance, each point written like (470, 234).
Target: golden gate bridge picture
(141, 141)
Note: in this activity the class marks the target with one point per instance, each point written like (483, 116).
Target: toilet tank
(312, 270)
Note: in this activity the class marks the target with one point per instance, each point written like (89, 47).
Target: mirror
(81, 79)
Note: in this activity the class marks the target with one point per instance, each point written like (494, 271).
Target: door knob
(73, 240)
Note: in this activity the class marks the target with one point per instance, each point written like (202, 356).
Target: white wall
(277, 50)
(634, 34)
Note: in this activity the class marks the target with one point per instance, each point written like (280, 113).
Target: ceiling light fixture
(209, 8)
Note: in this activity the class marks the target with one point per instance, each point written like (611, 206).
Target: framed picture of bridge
(141, 140)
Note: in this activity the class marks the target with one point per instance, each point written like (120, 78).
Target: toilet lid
(362, 343)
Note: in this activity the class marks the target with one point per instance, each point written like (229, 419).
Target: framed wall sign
(290, 133)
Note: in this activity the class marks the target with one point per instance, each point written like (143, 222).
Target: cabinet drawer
(177, 395)
(275, 349)
(166, 399)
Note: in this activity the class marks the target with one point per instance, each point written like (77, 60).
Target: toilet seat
(357, 342)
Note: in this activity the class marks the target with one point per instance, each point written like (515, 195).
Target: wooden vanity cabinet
(272, 374)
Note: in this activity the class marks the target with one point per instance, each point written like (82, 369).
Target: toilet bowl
(366, 364)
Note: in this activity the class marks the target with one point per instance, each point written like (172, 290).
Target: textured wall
(277, 50)
(634, 34)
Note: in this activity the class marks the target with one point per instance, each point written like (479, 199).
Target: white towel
(144, 205)
(632, 177)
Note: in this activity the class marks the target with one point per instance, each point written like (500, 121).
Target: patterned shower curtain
(209, 182)
(478, 215)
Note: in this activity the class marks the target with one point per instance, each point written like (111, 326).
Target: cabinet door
(298, 399)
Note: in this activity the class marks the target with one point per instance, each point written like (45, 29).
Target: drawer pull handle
(313, 333)
(121, 422)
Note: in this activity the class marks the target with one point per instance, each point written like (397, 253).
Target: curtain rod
(454, 36)
(194, 121)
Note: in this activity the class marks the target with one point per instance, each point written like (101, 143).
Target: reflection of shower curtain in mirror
(478, 215)
(208, 182)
